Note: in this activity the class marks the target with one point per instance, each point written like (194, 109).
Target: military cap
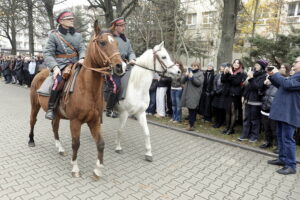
(118, 21)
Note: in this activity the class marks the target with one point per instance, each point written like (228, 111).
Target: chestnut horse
(85, 104)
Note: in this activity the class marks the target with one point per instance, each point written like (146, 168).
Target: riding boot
(111, 101)
(51, 104)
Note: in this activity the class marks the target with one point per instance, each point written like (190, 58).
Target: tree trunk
(49, 4)
(30, 26)
(254, 18)
(229, 18)
(109, 14)
(13, 37)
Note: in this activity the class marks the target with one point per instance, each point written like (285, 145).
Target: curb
(212, 138)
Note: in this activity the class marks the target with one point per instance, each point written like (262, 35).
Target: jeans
(152, 105)
(286, 144)
(176, 105)
(192, 116)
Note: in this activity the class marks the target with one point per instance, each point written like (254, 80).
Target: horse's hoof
(62, 153)
(76, 174)
(31, 144)
(119, 151)
(96, 177)
(148, 158)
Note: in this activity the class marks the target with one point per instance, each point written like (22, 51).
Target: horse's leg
(75, 126)
(95, 131)
(55, 127)
(143, 122)
(35, 107)
(123, 119)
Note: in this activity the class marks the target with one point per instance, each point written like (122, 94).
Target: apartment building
(204, 16)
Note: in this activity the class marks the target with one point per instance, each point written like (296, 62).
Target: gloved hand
(81, 61)
(56, 72)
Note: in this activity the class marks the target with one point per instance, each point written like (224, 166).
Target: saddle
(70, 70)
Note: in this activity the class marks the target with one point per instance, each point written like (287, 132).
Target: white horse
(137, 94)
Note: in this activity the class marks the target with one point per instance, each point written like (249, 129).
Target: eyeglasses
(296, 61)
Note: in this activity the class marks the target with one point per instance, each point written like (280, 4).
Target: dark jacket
(164, 82)
(218, 98)
(286, 104)
(254, 91)
(268, 98)
(232, 84)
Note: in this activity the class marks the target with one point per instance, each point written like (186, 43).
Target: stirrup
(50, 115)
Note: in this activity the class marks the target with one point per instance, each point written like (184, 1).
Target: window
(208, 17)
(294, 9)
(191, 19)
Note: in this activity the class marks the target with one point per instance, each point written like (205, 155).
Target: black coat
(164, 82)
(218, 98)
(254, 91)
(207, 92)
(268, 98)
(232, 89)
(5, 68)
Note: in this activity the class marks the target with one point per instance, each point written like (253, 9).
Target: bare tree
(123, 8)
(10, 16)
(49, 5)
(29, 8)
(230, 11)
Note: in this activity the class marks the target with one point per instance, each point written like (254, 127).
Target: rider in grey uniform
(114, 81)
(64, 47)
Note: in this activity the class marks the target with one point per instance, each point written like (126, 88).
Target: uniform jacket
(125, 47)
(56, 46)
(286, 104)
(192, 90)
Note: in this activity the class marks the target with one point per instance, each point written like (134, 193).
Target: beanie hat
(262, 63)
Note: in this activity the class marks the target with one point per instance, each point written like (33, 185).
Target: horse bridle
(163, 65)
(107, 59)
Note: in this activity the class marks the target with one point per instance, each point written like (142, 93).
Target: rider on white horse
(114, 81)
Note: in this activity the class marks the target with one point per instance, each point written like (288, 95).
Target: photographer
(252, 96)
(286, 111)
(193, 80)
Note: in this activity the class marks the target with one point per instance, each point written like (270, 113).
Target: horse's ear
(97, 28)
(159, 46)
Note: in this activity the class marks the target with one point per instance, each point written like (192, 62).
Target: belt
(66, 55)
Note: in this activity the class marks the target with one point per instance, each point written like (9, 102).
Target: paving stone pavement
(184, 166)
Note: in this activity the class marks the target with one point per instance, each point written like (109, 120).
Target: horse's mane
(144, 59)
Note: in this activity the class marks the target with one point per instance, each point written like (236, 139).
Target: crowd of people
(20, 69)
(229, 96)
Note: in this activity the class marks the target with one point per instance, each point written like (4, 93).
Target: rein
(163, 65)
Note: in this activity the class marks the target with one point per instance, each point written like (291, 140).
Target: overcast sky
(70, 3)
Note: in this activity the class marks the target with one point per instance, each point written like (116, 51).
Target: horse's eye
(163, 57)
(103, 43)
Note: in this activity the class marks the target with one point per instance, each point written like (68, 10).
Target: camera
(270, 68)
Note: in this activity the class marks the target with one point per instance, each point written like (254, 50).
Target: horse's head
(163, 62)
(104, 50)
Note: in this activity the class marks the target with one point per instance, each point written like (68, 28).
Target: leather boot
(111, 100)
(51, 104)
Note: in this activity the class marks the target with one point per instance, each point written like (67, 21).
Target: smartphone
(270, 68)
(189, 69)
